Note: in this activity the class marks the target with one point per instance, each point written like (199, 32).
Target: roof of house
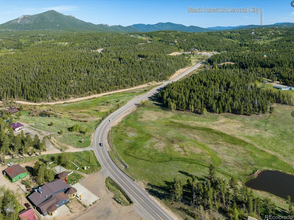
(52, 208)
(71, 190)
(47, 190)
(27, 214)
(14, 170)
(62, 175)
(13, 110)
(16, 125)
(50, 205)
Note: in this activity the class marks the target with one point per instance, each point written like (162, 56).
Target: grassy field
(86, 113)
(118, 195)
(155, 141)
(74, 140)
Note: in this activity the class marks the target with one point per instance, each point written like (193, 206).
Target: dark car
(101, 144)
(27, 205)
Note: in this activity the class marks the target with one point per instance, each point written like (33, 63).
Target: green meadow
(159, 145)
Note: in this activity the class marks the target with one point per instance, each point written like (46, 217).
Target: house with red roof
(27, 214)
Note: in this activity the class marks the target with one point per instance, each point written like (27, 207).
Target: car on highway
(110, 120)
(101, 144)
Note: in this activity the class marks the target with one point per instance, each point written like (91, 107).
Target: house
(15, 172)
(27, 214)
(13, 110)
(17, 126)
(49, 197)
(282, 87)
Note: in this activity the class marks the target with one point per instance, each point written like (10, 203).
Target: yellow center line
(159, 217)
(113, 170)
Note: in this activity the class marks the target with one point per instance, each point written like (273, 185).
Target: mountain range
(52, 20)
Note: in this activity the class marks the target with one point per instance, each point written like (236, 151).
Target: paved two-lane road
(145, 206)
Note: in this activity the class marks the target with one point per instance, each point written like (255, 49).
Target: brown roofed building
(71, 193)
(63, 176)
(13, 110)
(46, 197)
(15, 172)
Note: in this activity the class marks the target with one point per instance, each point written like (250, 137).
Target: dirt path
(179, 72)
(83, 98)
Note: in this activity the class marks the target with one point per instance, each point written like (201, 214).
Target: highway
(145, 206)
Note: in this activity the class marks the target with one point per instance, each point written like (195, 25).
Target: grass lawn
(81, 159)
(118, 195)
(74, 178)
(155, 141)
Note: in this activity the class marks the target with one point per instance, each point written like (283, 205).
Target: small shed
(17, 126)
(63, 176)
(15, 172)
(27, 214)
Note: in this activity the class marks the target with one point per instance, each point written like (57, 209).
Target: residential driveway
(87, 198)
(32, 132)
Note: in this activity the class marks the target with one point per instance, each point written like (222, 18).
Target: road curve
(145, 205)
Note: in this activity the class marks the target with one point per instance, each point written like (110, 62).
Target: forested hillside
(44, 67)
(53, 20)
(235, 88)
(220, 91)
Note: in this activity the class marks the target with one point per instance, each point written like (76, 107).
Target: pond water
(274, 182)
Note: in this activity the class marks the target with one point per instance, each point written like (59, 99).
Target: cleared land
(154, 141)
(87, 113)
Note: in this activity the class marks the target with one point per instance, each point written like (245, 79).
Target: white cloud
(62, 8)
(292, 13)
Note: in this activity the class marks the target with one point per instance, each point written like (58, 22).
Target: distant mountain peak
(53, 20)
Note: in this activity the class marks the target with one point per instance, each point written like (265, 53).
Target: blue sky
(128, 12)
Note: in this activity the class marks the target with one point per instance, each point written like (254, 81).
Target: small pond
(274, 182)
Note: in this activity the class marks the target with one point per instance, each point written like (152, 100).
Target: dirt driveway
(105, 209)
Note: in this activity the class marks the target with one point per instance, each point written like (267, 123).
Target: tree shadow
(191, 176)
(157, 191)
(30, 170)
(186, 174)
